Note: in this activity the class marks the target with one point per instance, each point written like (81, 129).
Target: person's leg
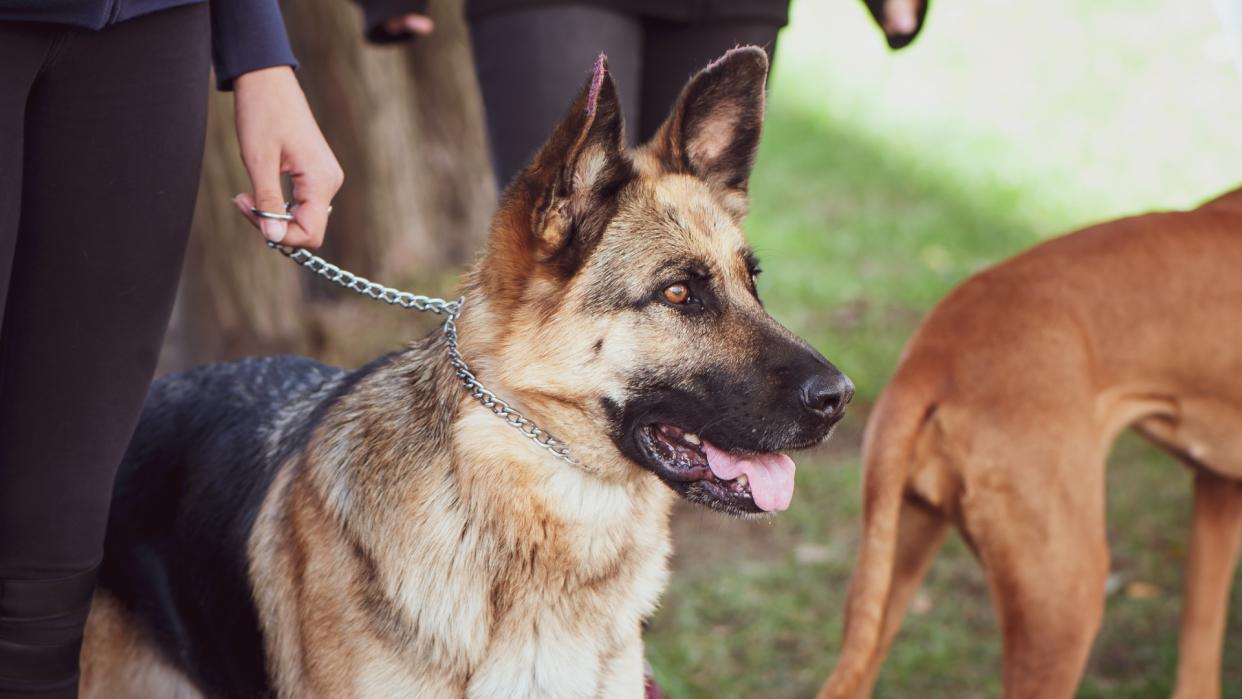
(113, 144)
(531, 63)
(23, 48)
(673, 52)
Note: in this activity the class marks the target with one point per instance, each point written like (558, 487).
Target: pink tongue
(771, 476)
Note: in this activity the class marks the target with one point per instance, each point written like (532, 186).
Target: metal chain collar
(451, 310)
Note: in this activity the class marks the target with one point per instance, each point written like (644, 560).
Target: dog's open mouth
(744, 482)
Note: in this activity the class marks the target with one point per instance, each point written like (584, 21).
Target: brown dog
(999, 420)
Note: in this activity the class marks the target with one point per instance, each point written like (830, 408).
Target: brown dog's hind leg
(1039, 530)
(920, 534)
(1215, 541)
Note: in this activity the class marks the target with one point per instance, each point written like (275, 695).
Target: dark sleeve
(247, 35)
(376, 12)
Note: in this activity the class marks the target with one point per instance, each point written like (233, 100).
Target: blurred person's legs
(532, 62)
(101, 137)
(674, 51)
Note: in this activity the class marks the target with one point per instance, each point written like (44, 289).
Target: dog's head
(901, 20)
(617, 300)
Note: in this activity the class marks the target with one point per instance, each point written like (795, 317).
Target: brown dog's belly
(1204, 431)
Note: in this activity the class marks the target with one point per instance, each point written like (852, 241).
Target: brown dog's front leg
(1215, 540)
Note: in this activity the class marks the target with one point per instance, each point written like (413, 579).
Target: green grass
(884, 180)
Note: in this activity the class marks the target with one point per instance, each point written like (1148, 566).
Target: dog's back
(206, 450)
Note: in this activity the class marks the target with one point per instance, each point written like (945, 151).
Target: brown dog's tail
(888, 447)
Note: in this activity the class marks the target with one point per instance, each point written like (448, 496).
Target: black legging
(101, 141)
(531, 63)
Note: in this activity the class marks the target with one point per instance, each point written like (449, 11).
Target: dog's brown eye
(677, 294)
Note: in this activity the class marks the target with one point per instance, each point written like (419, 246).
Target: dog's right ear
(566, 195)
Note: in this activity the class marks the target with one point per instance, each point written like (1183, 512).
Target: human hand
(404, 25)
(278, 134)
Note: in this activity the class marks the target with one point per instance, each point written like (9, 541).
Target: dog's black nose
(826, 394)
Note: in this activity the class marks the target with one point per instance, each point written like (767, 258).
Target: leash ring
(270, 214)
(277, 216)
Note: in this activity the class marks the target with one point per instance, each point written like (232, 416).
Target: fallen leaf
(806, 554)
(921, 603)
(1142, 590)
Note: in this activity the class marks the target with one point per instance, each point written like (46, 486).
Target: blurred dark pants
(101, 141)
(532, 62)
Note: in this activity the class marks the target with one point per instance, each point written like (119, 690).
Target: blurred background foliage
(884, 179)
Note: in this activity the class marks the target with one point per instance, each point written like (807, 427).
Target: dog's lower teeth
(742, 480)
(692, 438)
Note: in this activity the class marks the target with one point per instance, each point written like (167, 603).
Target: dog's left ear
(713, 131)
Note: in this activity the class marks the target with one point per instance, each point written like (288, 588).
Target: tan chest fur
(492, 570)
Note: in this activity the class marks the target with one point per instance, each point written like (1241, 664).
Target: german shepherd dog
(284, 528)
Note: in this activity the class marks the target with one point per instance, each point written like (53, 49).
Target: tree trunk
(406, 124)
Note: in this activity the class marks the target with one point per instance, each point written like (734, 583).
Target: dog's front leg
(624, 676)
(553, 664)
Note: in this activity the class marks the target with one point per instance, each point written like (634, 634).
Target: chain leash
(451, 310)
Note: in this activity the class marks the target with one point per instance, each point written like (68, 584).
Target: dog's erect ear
(713, 131)
(901, 20)
(571, 184)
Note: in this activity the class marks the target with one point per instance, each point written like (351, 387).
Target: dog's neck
(427, 442)
(572, 419)
(506, 475)
(475, 536)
